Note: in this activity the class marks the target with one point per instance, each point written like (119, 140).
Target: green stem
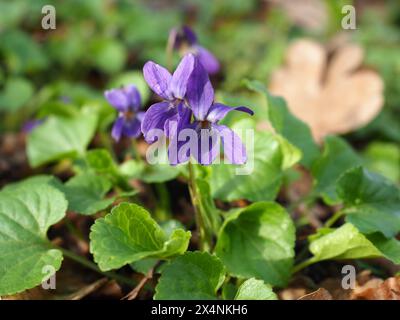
(204, 241)
(163, 210)
(107, 143)
(333, 219)
(90, 265)
(303, 264)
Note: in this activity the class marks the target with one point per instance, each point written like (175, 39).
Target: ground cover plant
(199, 150)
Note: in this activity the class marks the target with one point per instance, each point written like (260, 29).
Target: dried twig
(133, 294)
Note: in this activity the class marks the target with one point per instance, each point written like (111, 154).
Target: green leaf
(384, 158)
(261, 177)
(129, 234)
(85, 193)
(390, 248)
(34, 181)
(291, 154)
(345, 242)
(149, 173)
(228, 291)
(16, 93)
(371, 202)
(108, 55)
(337, 158)
(253, 289)
(132, 168)
(21, 53)
(60, 137)
(258, 241)
(158, 173)
(26, 213)
(101, 161)
(144, 265)
(192, 276)
(293, 129)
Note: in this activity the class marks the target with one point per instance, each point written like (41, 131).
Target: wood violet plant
(193, 181)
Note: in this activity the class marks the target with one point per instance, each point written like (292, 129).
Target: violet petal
(133, 96)
(234, 149)
(181, 76)
(118, 99)
(117, 128)
(200, 93)
(218, 111)
(155, 118)
(132, 128)
(189, 35)
(158, 78)
(208, 60)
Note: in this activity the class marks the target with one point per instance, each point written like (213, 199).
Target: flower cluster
(187, 114)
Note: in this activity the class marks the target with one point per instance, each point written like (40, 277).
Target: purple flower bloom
(128, 102)
(185, 40)
(207, 114)
(172, 89)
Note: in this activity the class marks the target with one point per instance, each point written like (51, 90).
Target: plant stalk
(303, 264)
(331, 221)
(204, 242)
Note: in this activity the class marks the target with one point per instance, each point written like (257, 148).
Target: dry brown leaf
(333, 97)
(310, 14)
(335, 288)
(377, 289)
(320, 294)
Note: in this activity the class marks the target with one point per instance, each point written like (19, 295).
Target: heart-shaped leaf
(129, 234)
(60, 137)
(261, 177)
(26, 213)
(85, 193)
(372, 202)
(337, 158)
(345, 242)
(253, 289)
(258, 241)
(194, 275)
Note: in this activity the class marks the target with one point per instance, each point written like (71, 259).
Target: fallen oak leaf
(332, 97)
(309, 14)
(377, 289)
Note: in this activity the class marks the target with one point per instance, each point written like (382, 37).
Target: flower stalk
(90, 265)
(204, 237)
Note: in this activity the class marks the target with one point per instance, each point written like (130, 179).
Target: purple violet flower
(127, 102)
(29, 125)
(185, 40)
(207, 114)
(172, 89)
